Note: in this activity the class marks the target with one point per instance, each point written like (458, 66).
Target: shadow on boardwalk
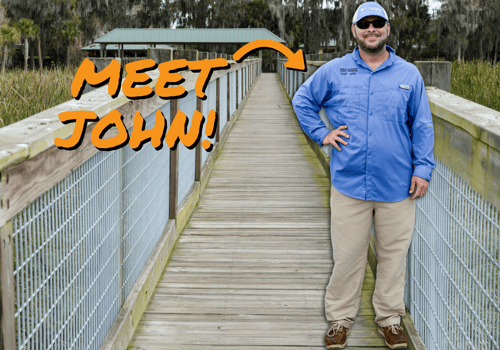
(250, 269)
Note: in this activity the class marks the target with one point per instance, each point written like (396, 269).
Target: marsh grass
(477, 81)
(23, 94)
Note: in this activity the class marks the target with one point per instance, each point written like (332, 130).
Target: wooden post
(228, 97)
(293, 84)
(236, 89)
(217, 110)
(174, 168)
(198, 159)
(8, 331)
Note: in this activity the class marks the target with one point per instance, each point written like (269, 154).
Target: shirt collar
(357, 58)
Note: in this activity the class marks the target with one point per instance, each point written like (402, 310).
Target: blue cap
(369, 9)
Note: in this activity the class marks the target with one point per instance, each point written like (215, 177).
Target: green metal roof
(126, 47)
(186, 36)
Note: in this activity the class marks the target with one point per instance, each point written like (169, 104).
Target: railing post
(197, 158)
(217, 110)
(174, 168)
(228, 97)
(236, 89)
(8, 331)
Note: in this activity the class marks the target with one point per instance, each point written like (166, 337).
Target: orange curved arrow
(296, 60)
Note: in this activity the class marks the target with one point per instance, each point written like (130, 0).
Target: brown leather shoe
(336, 337)
(394, 336)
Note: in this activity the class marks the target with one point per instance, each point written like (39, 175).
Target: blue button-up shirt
(388, 120)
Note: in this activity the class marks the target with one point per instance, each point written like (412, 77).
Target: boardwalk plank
(250, 269)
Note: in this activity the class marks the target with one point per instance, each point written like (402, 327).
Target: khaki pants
(350, 230)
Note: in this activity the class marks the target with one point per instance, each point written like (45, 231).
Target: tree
(153, 14)
(280, 9)
(8, 37)
(461, 18)
(28, 31)
(410, 22)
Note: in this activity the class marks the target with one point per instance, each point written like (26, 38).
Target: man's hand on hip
(334, 136)
(421, 186)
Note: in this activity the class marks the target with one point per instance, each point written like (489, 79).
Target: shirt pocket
(346, 103)
(396, 105)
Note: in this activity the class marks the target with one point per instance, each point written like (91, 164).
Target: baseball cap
(369, 9)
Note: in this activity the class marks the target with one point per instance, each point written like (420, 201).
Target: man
(381, 162)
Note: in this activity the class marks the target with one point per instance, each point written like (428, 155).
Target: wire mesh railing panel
(80, 247)
(232, 98)
(294, 78)
(67, 259)
(240, 85)
(186, 156)
(145, 203)
(289, 81)
(223, 102)
(454, 279)
(209, 104)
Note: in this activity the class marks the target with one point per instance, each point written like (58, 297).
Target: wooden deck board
(249, 271)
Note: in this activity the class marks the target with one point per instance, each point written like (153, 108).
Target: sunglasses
(378, 23)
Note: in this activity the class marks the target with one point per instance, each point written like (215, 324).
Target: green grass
(23, 94)
(477, 81)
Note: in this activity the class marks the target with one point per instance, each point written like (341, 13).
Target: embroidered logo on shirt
(404, 87)
(348, 71)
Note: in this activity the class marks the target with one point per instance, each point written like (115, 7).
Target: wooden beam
(228, 97)
(198, 159)
(236, 89)
(217, 110)
(174, 169)
(7, 309)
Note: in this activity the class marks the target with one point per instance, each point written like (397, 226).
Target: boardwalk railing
(85, 234)
(453, 268)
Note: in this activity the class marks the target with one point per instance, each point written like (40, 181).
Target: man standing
(381, 162)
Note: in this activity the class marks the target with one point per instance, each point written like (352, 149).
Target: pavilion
(162, 36)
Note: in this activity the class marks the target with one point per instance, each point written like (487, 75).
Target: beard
(370, 47)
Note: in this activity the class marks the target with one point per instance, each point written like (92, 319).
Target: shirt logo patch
(348, 71)
(402, 86)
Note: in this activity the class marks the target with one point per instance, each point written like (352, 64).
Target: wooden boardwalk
(250, 269)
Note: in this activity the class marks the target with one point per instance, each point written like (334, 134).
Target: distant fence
(453, 269)
(78, 228)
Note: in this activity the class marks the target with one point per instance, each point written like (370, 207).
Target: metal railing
(453, 263)
(453, 270)
(73, 252)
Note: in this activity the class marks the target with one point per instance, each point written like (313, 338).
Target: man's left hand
(421, 187)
